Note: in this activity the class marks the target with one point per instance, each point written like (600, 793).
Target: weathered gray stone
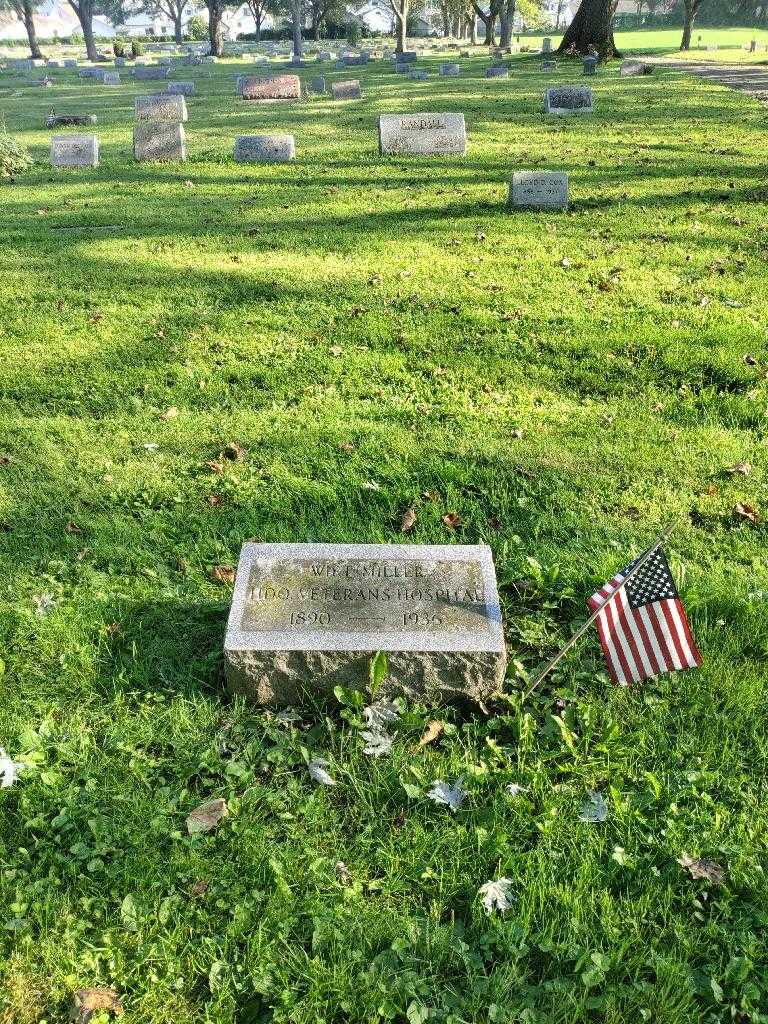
(180, 89)
(74, 151)
(269, 87)
(346, 90)
(111, 78)
(450, 70)
(153, 140)
(22, 64)
(546, 45)
(317, 85)
(497, 72)
(569, 99)
(162, 107)
(402, 69)
(539, 190)
(418, 75)
(549, 65)
(151, 74)
(97, 73)
(70, 63)
(635, 67)
(119, 62)
(325, 55)
(590, 65)
(423, 134)
(54, 120)
(407, 57)
(270, 149)
(308, 617)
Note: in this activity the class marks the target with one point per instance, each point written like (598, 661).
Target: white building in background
(54, 19)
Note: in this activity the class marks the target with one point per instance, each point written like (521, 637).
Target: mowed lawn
(378, 335)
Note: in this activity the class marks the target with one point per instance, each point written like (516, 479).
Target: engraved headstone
(549, 65)
(150, 73)
(450, 70)
(418, 75)
(308, 617)
(402, 69)
(499, 72)
(269, 87)
(569, 99)
(158, 140)
(180, 89)
(349, 90)
(590, 65)
(74, 151)
(162, 107)
(270, 149)
(546, 45)
(70, 63)
(111, 78)
(407, 57)
(422, 134)
(539, 190)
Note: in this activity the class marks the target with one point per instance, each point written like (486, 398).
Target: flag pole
(583, 629)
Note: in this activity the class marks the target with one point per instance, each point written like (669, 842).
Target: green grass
(730, 41)
(397, 307)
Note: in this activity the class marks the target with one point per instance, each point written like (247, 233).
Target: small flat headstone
(418, 75)
(163, 107)
(590, 65)
(546, 45)
(269, 149)
(270, 87)
(352, 60)
(317, 85)
(569, 99)
(180, 88)
(346, 90)
(402, 69)
(151, 74)
(111, 78)
(407, 57)
(635, 67)
(308, 617)
(450, 70)
(69, 120)
(153, 140)
(539, 190)
(70, 63)
(499, 72)
(119, 62)
(549, 65)
(422, 134)
(74, 151)
(324, 55)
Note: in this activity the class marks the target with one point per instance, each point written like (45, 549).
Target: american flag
(643, 628)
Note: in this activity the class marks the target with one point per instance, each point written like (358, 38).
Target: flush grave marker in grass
(308, 617)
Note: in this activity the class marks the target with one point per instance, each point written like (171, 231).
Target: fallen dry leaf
(5, 460)
(214, 466)
(432, 732)
(408, 521)
(343, 873)
(452, 520)
(215, 500)
(223, 574)
(207, 816)
(700, 868)
(750, 360)
(346, 446)
(170, 414)
(199, 887)
(336, 351)
(746, 512)
(90, 1000)
(739, 469)
(72, 528)
(233, 451)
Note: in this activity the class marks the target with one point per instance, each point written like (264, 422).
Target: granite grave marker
(308, 617)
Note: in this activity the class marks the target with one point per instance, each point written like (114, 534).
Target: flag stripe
(641, 623)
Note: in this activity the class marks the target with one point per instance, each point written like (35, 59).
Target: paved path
(751, 79)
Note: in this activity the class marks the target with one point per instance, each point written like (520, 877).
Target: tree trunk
(592, 26)
(296, 23)
(85, 16)
(473, 31)
(506, 22)
(689, 13)
(401, 21)
(29, 24)
(178, 28)
(490, 31)
(215, 28)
